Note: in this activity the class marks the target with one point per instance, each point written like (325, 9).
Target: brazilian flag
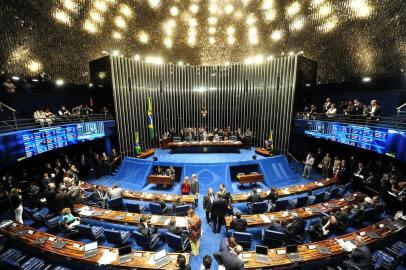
(150, 123)
(270, 141)
(137, 144)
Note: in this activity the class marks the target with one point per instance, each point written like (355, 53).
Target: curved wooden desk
(125, 218)
(288, 191)
(146, 154)
(149, 197)
(263, 152)
(250, 178)
(266, 219)
(312, 255)
(74, 250)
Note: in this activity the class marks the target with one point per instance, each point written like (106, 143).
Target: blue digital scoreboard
(20, 145)
(382, 140)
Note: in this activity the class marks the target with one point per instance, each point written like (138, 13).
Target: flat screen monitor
(159, 255)
(261, 250)
(122, 251)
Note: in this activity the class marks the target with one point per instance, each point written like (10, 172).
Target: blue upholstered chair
(145, 242)
(301, 201)
(176, 242)
(181, 210)
(156, 208)
(243, 239)
(115, 204)
(52, 222)
(32, 264)
(258, 207)
(334, 193)
(273, 238)
(33, 214)
(116, 237)
(135, 207)
(319, 197)
(90, 232)
(281, 205)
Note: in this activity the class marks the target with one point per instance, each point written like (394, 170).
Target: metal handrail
(395, 121)
(400, 107)
(5, 105)
(27, 123)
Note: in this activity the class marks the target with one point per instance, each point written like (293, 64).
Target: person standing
(195, 231)
(325, 165)
(218, 212)
(207, 204)
(185, 187)
(194, 188)
(308, 166)
(16, 203)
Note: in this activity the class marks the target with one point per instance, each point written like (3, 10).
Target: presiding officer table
(205, 147)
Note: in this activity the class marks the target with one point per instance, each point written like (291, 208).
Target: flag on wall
(137, 144)
(150, 123)
(270, 141)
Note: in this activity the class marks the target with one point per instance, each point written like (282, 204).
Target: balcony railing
(396, 121)
(32, 123)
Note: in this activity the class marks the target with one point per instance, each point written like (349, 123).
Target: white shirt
(309, 160)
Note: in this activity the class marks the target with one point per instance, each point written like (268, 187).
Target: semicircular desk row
(237, 197)
(254, 220)
(142, 260)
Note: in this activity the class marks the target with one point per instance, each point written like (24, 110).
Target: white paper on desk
(347, 246)
(181, 222)
(149, 195)
(85, 211)
(265, 218)
(286, 191)
(169, 197)
(154, 219)
(320, 184)
(107, 258)
(167, 221)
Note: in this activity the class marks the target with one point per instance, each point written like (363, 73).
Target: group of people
(44, 115)
(204, 134)
(350, 109)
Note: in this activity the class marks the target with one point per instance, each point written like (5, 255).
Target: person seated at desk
(181, 262)
(272, 197)
(98, 196)
(360, 256)
(378, 204)
(145, 229)
(319, 231)
(185, 187)
(254, 197)
(172, 228)
(342, 218)
(115, 192)
(294, 228)
(230, 260)
(158, 171)
(159, 199)
(228, 244)
(69, 221)
(239, 224)
(170, 172)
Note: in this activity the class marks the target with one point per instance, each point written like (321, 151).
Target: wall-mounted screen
(382, 140)
(20, 145)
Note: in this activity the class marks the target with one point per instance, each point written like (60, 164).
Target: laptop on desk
(161, 259)
(261, 254)
(41, 240)
(291, 251)
(90, 250)
(125, 254)
(59, 244)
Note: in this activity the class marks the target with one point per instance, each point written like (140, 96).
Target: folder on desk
(119, 217)
(373, 235)
(324, 250)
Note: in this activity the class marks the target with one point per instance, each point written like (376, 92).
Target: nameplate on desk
(138, 254)
(76, 245)
(52, 239)
(310, 247)
(281, 251)
(30, 231)
(119, 217)
(362, 233)
(246, 255)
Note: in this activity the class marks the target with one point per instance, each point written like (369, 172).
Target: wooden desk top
(310, 255)
(73, 250)
(126, 218)
(266, 219)
(263, 152)
(149, 197)
(242, 197)
(146, 154)
(205, 143)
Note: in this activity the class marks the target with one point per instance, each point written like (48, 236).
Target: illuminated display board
(378, 139)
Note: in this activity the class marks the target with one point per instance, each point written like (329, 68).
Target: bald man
(360, 256)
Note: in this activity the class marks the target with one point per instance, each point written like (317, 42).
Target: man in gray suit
(229, 259)
(194, 188)
(115, 192)
(360, 256)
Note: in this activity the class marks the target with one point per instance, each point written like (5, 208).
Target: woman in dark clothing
(98, 165)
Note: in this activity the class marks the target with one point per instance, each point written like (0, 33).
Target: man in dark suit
(360, 256)
(218, 212)
(239, 224)
(226, 196)
(145, 229)
(172, 228)
(62, 200)
(229, 259)
(98, 196)
(374, 111)
(207, 204)
(296, 227)
(254, 197)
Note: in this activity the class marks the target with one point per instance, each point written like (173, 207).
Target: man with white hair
(115, 192)
(230, 260)
(360, 256)
(374, 111)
